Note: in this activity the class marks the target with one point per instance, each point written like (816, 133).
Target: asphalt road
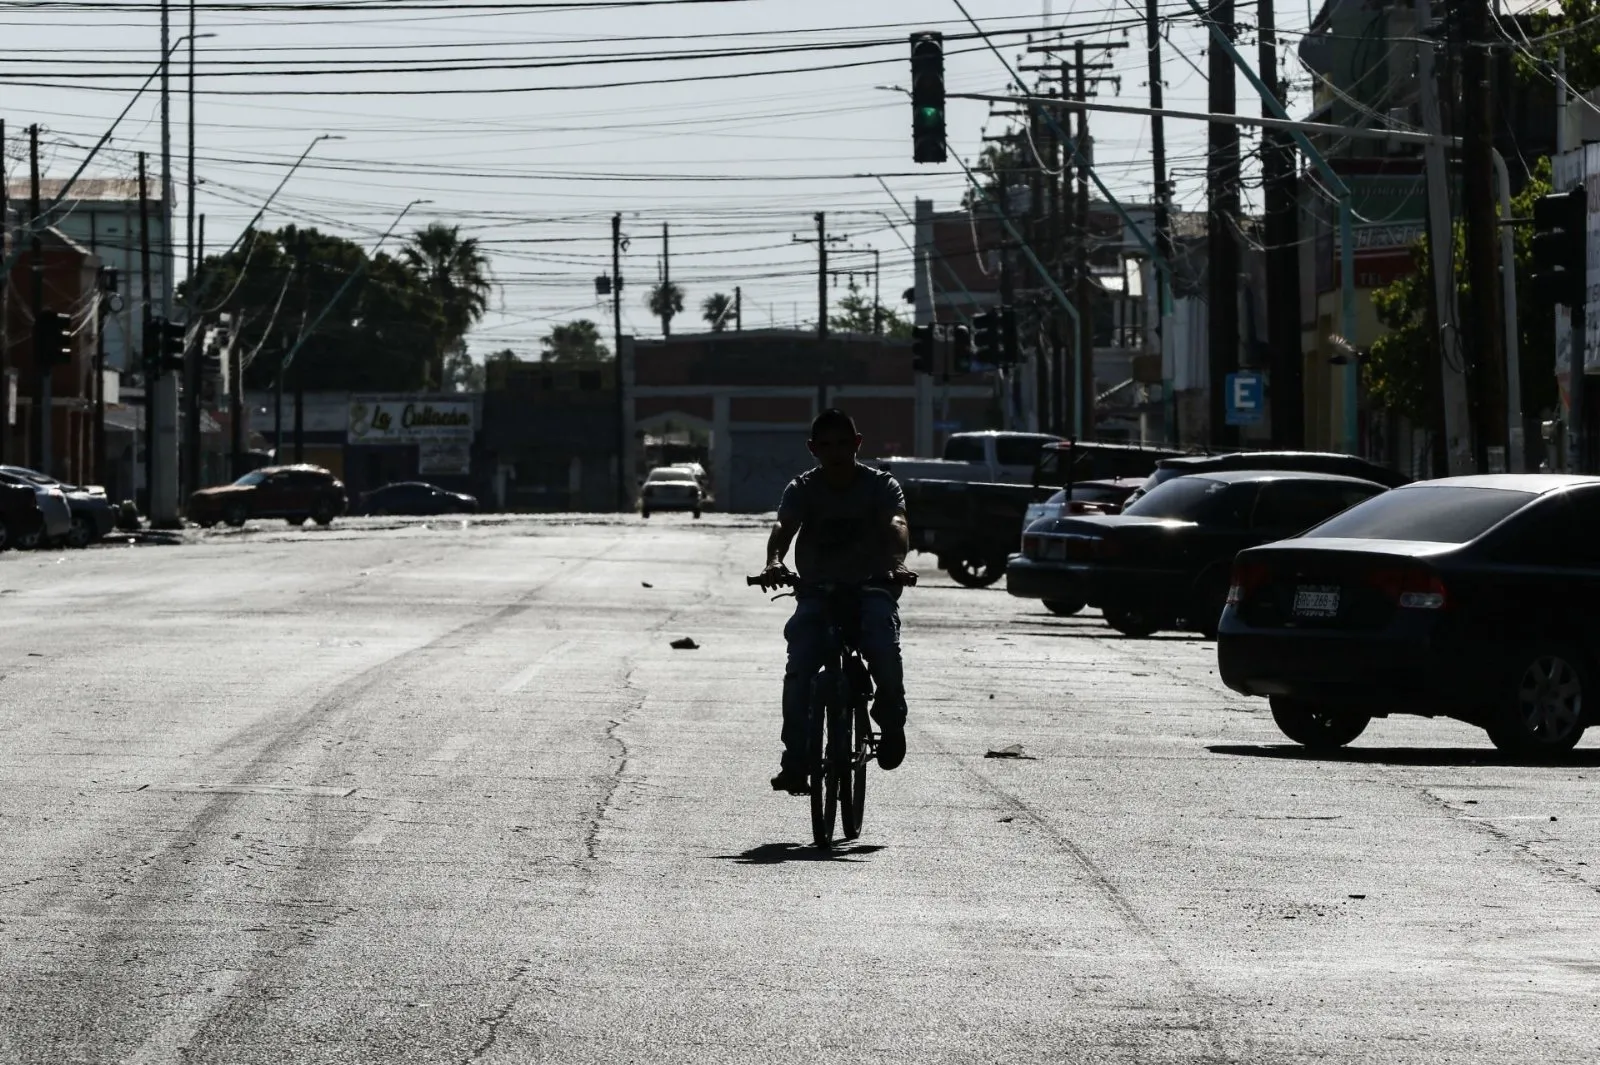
(426, 792)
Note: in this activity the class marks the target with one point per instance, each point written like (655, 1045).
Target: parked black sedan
(1288, 461)
(1468, 597)
(1164, 562)
(415, 498)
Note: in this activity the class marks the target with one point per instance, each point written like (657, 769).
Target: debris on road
(685, 644)
(646, 584)
(1011, 751)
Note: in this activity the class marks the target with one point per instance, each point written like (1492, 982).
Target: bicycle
(840, 741)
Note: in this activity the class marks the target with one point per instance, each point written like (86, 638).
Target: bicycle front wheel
(855, 807)
(824, 785)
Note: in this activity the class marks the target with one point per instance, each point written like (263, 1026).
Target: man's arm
(778, 542)
(899, 539)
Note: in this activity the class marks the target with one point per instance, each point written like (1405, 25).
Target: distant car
(293, 493)
(1165, 561)
(52, 504)
(1471, 598)
(93, 515)
(1288, 461)
(416, 498)
(20, 515)
(670, 488)
(1085, 497)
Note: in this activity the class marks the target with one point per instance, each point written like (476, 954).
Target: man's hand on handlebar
(901, 575)
(776, 575)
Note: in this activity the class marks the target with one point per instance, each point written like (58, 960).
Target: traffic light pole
(147, 338)
(192, 372)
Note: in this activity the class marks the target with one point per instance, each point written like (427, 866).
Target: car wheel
(644, 513)
(1543, 713)
(5, 535)
(976, 572)
(697, 513)
(1135, 623)
(1064, 608)
(1316, 728)
(235, 515)
(81, 534)
(29, 541)
(323, 514)
(296, 521)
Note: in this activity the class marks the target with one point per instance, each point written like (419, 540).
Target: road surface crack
(494, 1020)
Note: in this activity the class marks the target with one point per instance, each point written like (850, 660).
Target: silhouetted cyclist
(851, 523)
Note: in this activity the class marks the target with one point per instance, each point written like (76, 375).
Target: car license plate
(1316, 601)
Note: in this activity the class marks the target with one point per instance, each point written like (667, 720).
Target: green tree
(461, 374)
(577, 341)
(456, 271)
(1400, 364)
(666, 302)
(1573, 25)
(717, 310)
(379, 335)
(857, 312)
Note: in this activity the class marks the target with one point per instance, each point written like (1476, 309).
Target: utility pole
(1482, 236)
(164, 392)
(41, 457)
(146, 339)
(1454, 415)
(624, 493)
(1084, 294)
(666, 280)
(822, 310)
(738, 309)
(102, 309)
(1163, 197)
(192, 372)
(1222, 202)
(1285, 364)
(235, 357)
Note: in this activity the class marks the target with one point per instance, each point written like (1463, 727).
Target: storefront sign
(411, 420)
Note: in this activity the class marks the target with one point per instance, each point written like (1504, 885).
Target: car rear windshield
(1444, 514)
(1183, 498)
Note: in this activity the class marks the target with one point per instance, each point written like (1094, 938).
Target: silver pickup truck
(991, 456)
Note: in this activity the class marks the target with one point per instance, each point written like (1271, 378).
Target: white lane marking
(184, 1015)
(520, 681)
(451, 748)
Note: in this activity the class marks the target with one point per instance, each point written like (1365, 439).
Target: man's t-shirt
(844, 533)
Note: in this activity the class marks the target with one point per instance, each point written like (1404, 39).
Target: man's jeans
(807, 633)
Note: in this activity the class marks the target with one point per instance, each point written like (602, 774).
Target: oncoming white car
(670, 488)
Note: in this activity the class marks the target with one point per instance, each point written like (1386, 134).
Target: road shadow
(1084, 633)
(780, 853)
(1408, 756)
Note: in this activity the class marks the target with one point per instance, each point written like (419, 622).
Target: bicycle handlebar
(794, 580)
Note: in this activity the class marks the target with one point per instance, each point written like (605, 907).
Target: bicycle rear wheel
(824, 786)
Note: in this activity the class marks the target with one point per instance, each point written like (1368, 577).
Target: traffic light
(960, 349)
(922, 349)
(1560, 247)
(52, 339)
(927, 97)
(163, 347)
(986, 326)
(1010, 354)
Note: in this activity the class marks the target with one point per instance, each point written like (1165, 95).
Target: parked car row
(1343, 598)
(41, 511)
(302, 493)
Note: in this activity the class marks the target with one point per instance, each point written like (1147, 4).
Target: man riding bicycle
(851, 522)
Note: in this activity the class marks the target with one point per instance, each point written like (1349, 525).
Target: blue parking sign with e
(1246, 399)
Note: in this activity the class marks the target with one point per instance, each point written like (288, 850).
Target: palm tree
(456, 271)
(577, 341)
(666, 300)
(717, 309)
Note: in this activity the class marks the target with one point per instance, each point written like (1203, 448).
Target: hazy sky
(737, 165)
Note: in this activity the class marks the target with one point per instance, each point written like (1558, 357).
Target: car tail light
(1410, 587)
(1248, 575)
(1030, 547)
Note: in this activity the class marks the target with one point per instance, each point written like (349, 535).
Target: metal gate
(763, 462)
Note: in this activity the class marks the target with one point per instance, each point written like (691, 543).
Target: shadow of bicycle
(780, 853)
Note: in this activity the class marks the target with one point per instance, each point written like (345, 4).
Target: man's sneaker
(793, 781)
(891, 743)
